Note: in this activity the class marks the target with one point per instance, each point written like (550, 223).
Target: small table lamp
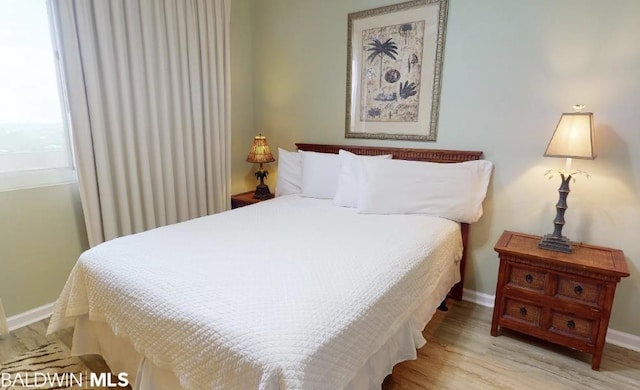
(573, 138)
(260, 154)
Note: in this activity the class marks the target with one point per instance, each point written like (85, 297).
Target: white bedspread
(287, 294)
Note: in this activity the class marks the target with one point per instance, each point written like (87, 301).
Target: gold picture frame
(394, 71)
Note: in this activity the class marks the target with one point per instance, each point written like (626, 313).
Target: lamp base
(552, 243)
(262, 192)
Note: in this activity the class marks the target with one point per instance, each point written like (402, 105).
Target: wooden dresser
(559, 297)
(245, 199)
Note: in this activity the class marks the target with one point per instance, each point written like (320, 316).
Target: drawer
(522, 311)
(579, 290)
(573, 326)
(527, 278)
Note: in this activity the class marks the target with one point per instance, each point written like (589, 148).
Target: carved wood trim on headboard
(430, 155)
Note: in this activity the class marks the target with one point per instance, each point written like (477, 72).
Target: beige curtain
(4, 330)
(148, 88)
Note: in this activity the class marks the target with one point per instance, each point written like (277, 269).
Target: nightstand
(564, 298)
(245, 199)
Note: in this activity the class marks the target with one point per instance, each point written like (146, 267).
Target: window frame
(42, 177)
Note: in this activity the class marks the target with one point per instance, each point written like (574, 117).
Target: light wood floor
(32, 336)
(459, 354)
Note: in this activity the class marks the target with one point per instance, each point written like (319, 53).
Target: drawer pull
(523, 311)
(578, 289)
(528, 278)
(571, 324)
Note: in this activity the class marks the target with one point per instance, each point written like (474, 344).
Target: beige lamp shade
(260, 151)
(573, 137)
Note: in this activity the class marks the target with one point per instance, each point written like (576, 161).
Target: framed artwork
(394, 70)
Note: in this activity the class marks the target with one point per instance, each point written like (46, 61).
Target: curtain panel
(147, 83)
(4, 330)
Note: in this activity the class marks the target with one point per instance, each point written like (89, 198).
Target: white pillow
(289, 173)
(454, 191)
(319, 174)
(347, 191)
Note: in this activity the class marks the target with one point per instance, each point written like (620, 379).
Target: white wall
(42, 233)
(510, 69)
(242, 124)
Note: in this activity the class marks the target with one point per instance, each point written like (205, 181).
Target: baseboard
(624, 340)
(615, 337)
(478, 298)
(29, 316)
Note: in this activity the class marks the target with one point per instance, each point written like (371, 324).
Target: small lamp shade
(573, 137)
(260, 151)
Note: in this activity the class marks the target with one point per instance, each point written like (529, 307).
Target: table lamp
(573, 138)
(260, 154)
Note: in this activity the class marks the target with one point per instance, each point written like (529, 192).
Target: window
(34, 137)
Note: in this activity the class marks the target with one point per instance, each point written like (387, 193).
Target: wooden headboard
(430, 155)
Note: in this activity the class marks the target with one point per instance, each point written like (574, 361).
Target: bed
(292, 293)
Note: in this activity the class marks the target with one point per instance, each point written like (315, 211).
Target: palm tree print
(388, 48)
(393, 52)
